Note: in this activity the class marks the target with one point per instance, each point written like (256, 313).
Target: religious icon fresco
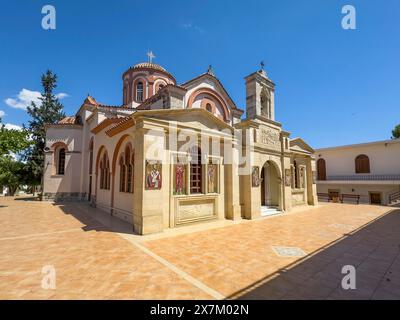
(212, 178)
(153, 175)
(180, 178)
(255, 177)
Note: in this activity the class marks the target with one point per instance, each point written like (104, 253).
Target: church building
(176, 154)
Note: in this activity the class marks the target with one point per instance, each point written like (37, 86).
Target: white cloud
(11, 126)
(192, 26)
(61, 95)
(2, 113)
(25, 97)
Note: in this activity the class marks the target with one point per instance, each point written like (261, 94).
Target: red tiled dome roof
(149, 65)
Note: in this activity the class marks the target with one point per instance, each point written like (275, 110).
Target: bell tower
(260, 92)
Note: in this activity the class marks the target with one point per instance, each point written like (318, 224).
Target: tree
(396, 132)
(13, 172)
(12, 140)
(49, 111)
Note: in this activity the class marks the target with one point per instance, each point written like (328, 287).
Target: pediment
(300, 145)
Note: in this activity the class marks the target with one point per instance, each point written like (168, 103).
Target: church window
(362, 164)
(61, 161)
(139, 91)
(195, 171)
(105, 173)
(208, 107)
(126, 163)
(122, 170)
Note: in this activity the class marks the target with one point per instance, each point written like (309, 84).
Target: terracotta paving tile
(236, 260)
(88, 264)
(350, 236)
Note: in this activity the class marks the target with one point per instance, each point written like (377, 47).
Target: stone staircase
(269, 211)
(394, 198)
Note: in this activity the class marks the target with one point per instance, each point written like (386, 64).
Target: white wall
(384, 158)
(70, 181)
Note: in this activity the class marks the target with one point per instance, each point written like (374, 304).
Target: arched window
(101, 175)
(208, 107)
(321, 169)
(122, 170)
(195, 171)
(362, 164)
(108, 175)
(126, 163)
(61, 161)
(105, 172)
(139, 91)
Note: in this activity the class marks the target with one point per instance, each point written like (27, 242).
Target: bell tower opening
(260, 91)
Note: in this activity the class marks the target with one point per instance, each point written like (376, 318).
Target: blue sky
(334, 86)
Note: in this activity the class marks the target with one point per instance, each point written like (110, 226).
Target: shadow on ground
(94, 219)
(372, 249)
(27, 198)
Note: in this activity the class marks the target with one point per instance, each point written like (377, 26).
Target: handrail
(365, 177)
(394, 196)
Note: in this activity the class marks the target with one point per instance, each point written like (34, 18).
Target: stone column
(148, 204)
(311, 186)
(232, 185)
(287, 190)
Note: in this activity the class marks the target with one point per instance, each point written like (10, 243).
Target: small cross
(262, 65)
(151, 56)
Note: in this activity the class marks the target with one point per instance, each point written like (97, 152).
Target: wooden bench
(350, 196)
(324, 196)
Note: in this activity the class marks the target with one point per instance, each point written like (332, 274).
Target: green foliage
(12, 173)
(12, 141)
(396, 132)
(49, 111)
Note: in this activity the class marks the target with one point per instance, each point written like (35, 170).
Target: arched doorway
(270, 189)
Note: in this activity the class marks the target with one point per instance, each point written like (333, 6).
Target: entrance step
(269, 211)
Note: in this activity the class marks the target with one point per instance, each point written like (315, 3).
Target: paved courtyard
(291, 256)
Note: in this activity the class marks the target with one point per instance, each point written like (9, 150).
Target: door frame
(370, 193)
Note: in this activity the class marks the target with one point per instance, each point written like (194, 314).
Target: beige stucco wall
(70, 181)
(363, 190)
(340, 161)
(383, 157)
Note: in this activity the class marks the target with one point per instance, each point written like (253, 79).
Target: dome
(148, 65)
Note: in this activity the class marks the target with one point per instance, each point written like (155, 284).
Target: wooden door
(263, 203)
(375, 198)
(321, 169)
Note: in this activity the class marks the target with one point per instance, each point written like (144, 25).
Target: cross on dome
(151, 56)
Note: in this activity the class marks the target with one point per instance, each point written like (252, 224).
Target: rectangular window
(196, 174)
(195, 178)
